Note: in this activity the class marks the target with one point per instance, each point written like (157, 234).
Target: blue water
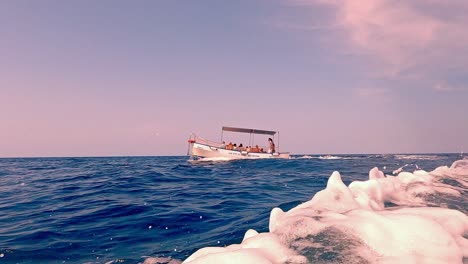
(122, 209)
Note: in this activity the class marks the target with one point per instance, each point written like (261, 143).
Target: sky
(125, 78)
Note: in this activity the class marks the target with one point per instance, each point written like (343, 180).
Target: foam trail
(354, 224)
(305, 157)
(417, 157)
(329, 157)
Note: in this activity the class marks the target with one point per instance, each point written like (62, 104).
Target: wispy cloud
(443, 87)
(421, 39)
(372, 92)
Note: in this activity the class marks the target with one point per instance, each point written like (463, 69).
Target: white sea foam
(329, 157)
(418, 157)
(397, 171)
(305, 157)
(354, 224)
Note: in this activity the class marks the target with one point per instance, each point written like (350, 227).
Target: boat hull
(206, 151)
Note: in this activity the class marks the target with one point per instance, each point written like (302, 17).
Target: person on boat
(234, 147)
(271, 148)
(223, 145)
(229, 146)
(241, 147)
(256, 149)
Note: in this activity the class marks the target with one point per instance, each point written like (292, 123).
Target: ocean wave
(354, 223)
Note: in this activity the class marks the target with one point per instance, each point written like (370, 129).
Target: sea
(390, 208)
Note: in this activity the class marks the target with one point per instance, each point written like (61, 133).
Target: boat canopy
(249, 130)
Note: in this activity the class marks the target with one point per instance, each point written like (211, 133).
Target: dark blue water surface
(122, 209)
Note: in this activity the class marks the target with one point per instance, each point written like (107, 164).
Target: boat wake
(389, 219)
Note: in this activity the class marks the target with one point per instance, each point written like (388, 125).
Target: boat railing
(208, 142)
(205, 141)
(265, 148)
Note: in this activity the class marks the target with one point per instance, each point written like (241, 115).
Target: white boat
(203, 148)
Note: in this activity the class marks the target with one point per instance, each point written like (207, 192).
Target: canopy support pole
(278, 142)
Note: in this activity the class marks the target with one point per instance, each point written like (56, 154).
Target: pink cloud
(420, 36)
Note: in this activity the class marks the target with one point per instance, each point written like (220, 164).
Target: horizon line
(297, 154)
